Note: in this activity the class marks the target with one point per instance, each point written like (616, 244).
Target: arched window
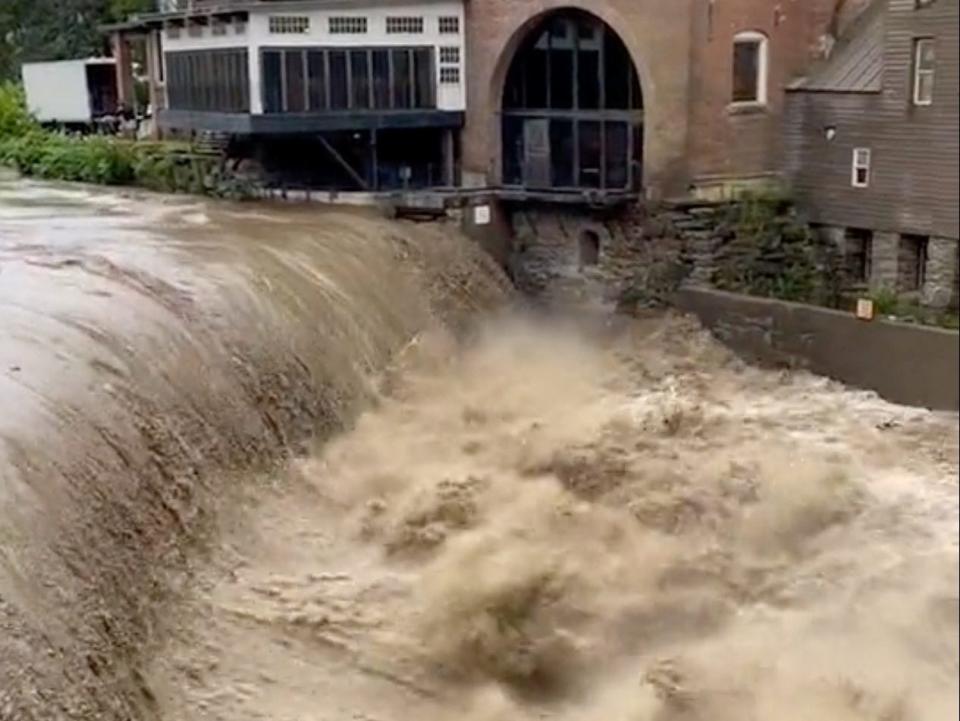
(750, 65)
(572, 108)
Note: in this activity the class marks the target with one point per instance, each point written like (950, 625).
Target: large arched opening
(572, 109)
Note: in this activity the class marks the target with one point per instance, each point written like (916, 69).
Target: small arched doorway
(572, 109)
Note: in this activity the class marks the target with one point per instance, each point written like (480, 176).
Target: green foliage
(14, 119)
(56, 29)
(888, 304)
(770, 254)
(106, 160)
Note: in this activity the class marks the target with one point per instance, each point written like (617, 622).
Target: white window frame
(918, 71)
(861, 159)
(763, 65)
(288, 24)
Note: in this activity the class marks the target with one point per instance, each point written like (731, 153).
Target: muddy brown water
(277, 464)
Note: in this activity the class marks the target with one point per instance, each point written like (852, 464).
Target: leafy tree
(56, 29)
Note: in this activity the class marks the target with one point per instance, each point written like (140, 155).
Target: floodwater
(510, 517)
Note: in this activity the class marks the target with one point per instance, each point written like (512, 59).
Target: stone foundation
(645, 252)
(940, 287)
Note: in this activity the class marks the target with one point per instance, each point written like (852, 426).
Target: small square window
(218, 27)
(404, 25)
(289, 24)
(860, 174)
(173, 32)
(347, 25)
(924, 63)
(450, 75)
(239, 27)
(450, 55)
(449, 25)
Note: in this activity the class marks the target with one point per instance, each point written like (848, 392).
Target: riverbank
(169, 167)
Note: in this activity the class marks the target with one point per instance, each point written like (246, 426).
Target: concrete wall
(904, 363)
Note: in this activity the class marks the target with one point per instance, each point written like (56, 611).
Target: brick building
(711, 75)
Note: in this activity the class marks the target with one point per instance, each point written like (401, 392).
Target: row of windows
(359, 25)
(318, 79)
(217, 27)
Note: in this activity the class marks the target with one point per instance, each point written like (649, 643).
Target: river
(290, 464)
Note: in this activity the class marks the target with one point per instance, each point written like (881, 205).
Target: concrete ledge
(908, 364)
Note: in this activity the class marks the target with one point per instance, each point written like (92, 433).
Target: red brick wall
(683, 52)
(657, 33)
(725, 142)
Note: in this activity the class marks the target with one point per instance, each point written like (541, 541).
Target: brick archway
(571, 108)
(657, 37)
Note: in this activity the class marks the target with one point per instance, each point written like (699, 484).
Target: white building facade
(275, 70)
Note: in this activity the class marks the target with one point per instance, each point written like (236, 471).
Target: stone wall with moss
(638, 255)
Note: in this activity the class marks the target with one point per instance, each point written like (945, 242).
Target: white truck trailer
(71, 92)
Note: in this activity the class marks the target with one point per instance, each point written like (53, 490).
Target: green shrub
(15, 121)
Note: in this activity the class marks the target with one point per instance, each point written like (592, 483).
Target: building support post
(374, 161)
(449, 159)
(126, 97)
(940, 275)
(351, 171)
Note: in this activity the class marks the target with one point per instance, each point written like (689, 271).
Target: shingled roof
(856, 63)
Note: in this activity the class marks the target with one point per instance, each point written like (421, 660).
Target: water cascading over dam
(302, 464)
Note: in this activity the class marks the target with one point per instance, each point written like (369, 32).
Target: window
(450, 55)
(173, 32)
(210, 80)
(195, 30)
(750, 68)
(860, 175)
(316, 79)
(218, 27)
(289, 24)
(912, 262)
(239, 27)
(404, 25)
(347, 25)
(449, 75)
(924, 60)
(449, 25)
(858, 249)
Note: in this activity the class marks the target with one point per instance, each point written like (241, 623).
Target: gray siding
(914, 183)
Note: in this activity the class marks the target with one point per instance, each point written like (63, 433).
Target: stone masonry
(940, 288)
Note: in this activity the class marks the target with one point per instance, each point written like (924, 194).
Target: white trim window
(288, 24)
(924, 64)
(404, 25)
(860, 168)
(750, 68)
